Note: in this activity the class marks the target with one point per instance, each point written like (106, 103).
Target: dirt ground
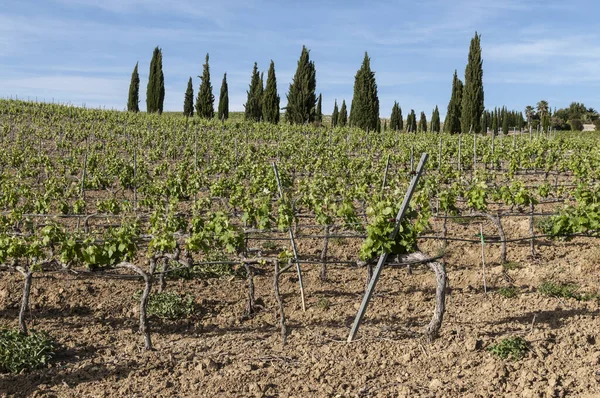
(218, 353)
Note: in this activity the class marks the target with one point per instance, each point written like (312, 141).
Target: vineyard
(185, 257)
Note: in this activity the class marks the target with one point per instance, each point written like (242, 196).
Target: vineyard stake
(459, 155)
(383, 257)
(292, 241)
(385, 173)
(483, 258)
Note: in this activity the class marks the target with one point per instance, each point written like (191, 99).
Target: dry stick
(251, 307)
(483, 259)
(531, 231)
(144, 326)
(433, 329)
(135, 177)
(440, 155)
(279, 303)
(385, 173)
(498, 223)
(82, 189)
(459, 150)
(324, 254)
(293, 242)
(28, 275)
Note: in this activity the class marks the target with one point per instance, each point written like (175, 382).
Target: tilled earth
(220, 352)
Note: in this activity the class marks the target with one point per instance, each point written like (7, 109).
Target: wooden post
(293, 242)
(383, 257)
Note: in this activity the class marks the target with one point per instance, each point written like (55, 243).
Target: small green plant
(323, 303)
(270, 245)
(563, 290)
(508, 292)
(511, 265)
(513, 347)
(169, 305)
(24, 352)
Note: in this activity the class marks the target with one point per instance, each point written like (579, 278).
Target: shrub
(513, 347)
(562, 290)
(597, 124)
(169, 305)
(576, 124)
(508, 292)
(24, 352)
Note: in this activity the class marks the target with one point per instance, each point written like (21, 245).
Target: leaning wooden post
(385, 173)
(292, 241)
(383, 257)
(483, 259)
(459, 152)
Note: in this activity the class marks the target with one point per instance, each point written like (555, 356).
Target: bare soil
(219, 352)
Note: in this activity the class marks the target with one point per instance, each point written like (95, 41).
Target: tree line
(465, 110)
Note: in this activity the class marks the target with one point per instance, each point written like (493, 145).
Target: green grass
(19, 352)
(511, 347)
(511, 265)
(169, 305)
(323, 303)
(564, 290)
(508, 292)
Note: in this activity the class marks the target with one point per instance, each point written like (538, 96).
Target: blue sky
(83, 51)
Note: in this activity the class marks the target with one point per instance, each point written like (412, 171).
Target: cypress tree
(334, 115)
(301, 97)
(411, 122)
(435, 120)
(396, 117)
(364, 112)
(205, 100)
(270, 99)
(495, 121)
(484, 122)
(452, 122)
(133, 101)
(319, 111)
(223, 111)
(155, 92)
(400, 119)
(253, 103)
(188, 103)
(472, 104)
(385, 125)
(423, 123)
(261, 91)
(505, 122)
(343, 118)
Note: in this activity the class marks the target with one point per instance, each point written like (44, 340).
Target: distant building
(589, 127)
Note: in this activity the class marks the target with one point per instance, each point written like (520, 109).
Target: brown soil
(219, 353)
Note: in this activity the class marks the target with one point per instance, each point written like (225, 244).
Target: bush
(576, 124)
(597, 124)
(562, 290)
(24, 352)
(508, 292)
(513, 347)
(169, 305)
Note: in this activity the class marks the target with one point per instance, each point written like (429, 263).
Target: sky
(83, 51)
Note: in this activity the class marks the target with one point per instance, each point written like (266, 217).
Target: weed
(24, 352)
(562, 290)
(169, 305)
(511, 265)
(323, 303)
(513, 347)
(508, 292)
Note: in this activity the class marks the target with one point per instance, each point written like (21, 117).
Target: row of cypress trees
(465, 108)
